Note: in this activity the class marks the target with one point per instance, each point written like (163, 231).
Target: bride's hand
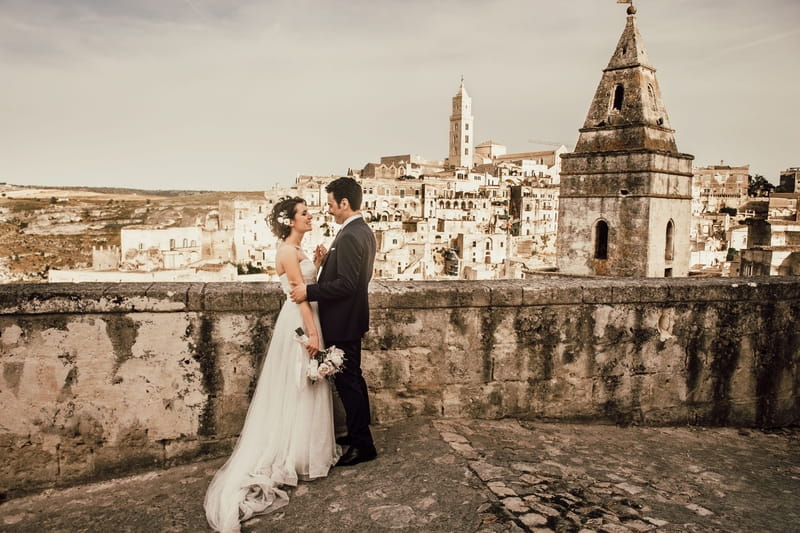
(313, 344)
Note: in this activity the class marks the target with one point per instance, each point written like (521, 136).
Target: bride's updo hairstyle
(282, 213)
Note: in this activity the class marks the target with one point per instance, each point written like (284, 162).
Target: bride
(288, 433)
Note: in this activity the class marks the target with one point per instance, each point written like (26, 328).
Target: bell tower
(625, 194)
(462, 134)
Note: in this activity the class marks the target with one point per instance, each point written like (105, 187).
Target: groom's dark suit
(341, 291)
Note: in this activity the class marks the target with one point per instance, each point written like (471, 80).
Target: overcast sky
(244, 95)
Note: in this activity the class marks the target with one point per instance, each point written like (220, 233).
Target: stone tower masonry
(625, 196)
(461, 130)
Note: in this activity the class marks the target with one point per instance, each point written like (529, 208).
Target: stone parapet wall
(103, 379)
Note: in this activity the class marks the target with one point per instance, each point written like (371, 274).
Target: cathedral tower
(625, 198)
(461, 132)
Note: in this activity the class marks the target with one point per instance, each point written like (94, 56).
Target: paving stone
(699, 509)
(655, 521)
(613, 528)
(500, 489)
(489, 472)
(543, 509)
(533, 519)
(515, 505)
(629, 488)
(638, 525)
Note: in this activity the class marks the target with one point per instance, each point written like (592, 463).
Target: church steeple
(625, 197)
(627, 112)
(462, 135)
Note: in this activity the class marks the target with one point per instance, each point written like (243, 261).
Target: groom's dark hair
(346, 188)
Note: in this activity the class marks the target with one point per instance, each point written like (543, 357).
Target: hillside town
(624, 202)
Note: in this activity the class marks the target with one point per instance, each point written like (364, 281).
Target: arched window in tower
(601, 240)
(669, 246)
(652, 94)
(619, 94)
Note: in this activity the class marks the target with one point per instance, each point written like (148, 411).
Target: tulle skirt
(288, 434)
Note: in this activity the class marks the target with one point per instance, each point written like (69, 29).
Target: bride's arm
(287, 258)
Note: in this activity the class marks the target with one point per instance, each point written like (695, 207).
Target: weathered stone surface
(82, 365)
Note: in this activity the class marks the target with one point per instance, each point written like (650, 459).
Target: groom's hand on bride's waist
(298, 292)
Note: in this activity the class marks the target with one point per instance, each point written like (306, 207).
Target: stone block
(57, 298)
(195, 296)
(26, 466)
(179, 451)
(223, 296)
(699, 290)
(430, 294)
(392, 404)
(506, 293)
(114, 460)
(263, 297)
(167, 296)
(552, 292)
(76, 461)
(473, 401)
(390, 369)
(125, 297)
(641, 291)
(229, 412)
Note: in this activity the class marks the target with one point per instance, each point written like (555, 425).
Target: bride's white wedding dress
(288, 433)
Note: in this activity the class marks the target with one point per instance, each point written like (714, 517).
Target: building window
(669, 247)
(466, 126)
(172, 244)
(466, 151)
(601, 240)
(619, 94)
(466, 138)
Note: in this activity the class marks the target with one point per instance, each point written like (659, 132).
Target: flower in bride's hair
(283, 218)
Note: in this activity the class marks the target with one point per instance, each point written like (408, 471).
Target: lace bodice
(307, 269)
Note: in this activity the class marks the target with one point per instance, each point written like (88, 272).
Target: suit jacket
(341, 289)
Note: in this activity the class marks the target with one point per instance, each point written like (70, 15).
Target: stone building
(461, 130)
(625, 196)
(789, 180)
(148, 248)
(719, 186)
(774, 245)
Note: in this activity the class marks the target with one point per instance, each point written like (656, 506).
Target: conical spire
(462, 91)
(627, 106)
(630, 50)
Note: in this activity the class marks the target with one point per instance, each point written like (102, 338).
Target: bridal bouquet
(326, 363)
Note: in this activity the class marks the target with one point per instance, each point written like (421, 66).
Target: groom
(341, 291)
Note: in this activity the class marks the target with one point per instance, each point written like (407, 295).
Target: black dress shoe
(344, 440)
(354, 455)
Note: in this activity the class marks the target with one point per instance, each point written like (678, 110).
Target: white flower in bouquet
(335, 356)
(313, 371)
(323, 365)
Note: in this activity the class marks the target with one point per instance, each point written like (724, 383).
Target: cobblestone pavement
(481, 476)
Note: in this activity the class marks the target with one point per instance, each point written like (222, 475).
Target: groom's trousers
(352, 390)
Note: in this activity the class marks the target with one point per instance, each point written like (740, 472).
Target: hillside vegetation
(44, 228)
